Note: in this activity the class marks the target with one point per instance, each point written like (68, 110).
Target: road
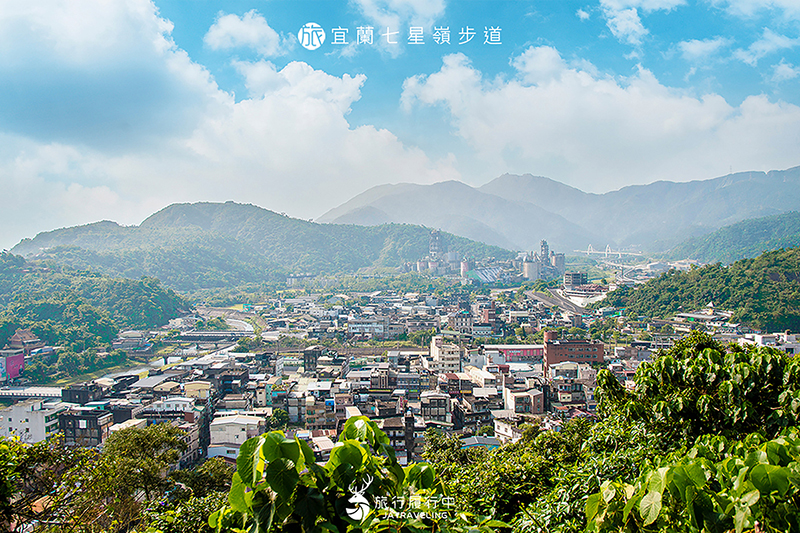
(237, 319)
(556, 299)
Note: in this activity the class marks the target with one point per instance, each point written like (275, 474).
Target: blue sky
(112, 109)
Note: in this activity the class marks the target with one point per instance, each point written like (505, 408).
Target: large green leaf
(276, 446)
(650, 507)
(348, 452)
(592, 507)
(420, 476)
(358, 428)
(236, 495)
(770, 478)
(247, 461)
(282, 477)
(308, 453)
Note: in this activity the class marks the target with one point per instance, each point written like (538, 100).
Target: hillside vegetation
(748, 238)
(207, 245)
(79, 311)
(764, 292)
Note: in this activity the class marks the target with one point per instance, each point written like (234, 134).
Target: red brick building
(577, 351)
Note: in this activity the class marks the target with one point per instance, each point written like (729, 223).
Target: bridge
(607, 252)
(214, 335)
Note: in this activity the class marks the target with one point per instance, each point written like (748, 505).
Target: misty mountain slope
(366, 199)
(745, 239)
(191, 246)
(365, 216)
(537, 190)
(458, 208)
(665, 212)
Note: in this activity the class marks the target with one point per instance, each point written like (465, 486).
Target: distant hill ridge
(205, 245)
(744, 239)
(517, 211)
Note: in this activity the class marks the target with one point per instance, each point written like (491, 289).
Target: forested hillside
(207, 245)
(764, 292)
(748, 238)
(78, 311)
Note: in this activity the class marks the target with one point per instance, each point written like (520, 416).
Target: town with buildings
(480, 366)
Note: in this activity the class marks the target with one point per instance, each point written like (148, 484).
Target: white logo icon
(361, 507)
(311, 36)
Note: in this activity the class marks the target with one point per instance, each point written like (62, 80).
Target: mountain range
(518, 211)
(206, 245)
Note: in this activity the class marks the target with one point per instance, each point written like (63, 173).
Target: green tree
(141, 457)
(213, 475)
(279, 419)
(698, 387)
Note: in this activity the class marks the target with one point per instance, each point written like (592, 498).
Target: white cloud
(768, 43)
(626, 25)
(790, 9)
(104, 74)
(398, 15)
(699, 50)
(288, 147)
(248, 31)
(539, 64)
(600, 133)
(784, 71)
(299, 81)
(583, 15)
(622, 17)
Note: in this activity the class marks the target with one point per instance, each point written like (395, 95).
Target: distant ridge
(205, 245)
(745, 239)
(463, 210)
(517, 211)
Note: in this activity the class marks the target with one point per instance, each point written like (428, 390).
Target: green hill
(207, 245)
(764, 292)
(79, 309)
(744, 239)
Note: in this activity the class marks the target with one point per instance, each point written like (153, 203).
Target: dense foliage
(80, 312)
(33, 292)
(279, 486)
(698, 390)
(501, 482)
(748, 238)
(66, 363)
(763, 292)
(52, 487)
(195, 246)
(719, 485)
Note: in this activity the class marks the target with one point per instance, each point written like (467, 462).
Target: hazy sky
(113, 109)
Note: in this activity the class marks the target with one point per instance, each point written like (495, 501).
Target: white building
(443, 358)
(229, 432)
(173, 403)
(31, 420)
(786, 342)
